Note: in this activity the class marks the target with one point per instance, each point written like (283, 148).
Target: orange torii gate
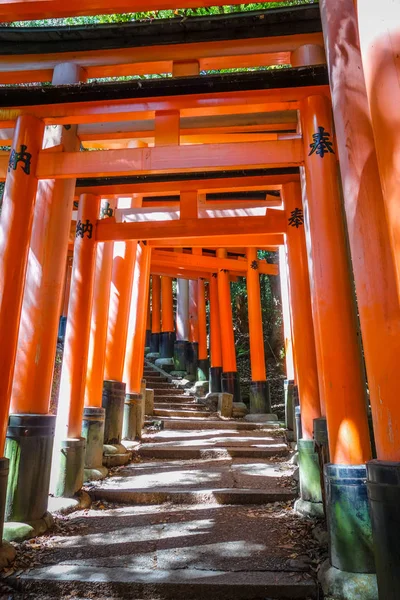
(204, 125)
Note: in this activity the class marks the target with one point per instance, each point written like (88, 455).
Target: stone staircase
(205, 510)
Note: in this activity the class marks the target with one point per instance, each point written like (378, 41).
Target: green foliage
(159, 14)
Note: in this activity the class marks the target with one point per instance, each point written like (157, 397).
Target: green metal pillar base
(260, 402)
(215, 380)
(132, 426)
(349, 523)
(203, 369)
(167, 339)
(310, 503)
(180, 355)
(192, 352)
(93, 432)
(230, 384)
(113, 403)
(4, 465)
(71, 467)
(29, 448)
(343, 585)
(289, 405)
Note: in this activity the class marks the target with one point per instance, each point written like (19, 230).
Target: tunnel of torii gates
(193, 174)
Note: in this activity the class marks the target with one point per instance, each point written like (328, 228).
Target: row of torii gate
(187, 170)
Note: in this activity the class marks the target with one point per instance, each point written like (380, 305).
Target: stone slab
(187, 584)
(261, 418)
(203, 496)
(192, 423)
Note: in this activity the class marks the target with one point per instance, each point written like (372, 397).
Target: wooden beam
(208, 263)
(271, 91)
(274, 222)
(207, 157)
(117, 62)
(258, 240)
(267, 181)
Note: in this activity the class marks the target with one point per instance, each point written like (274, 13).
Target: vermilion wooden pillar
(230, 380)
(124, 256)
(15, 230)
(155, 313)
(203, 362)
(133, 370)
(215, 337)
(372, 221)
(343, 380)
(289, 386)
(167, 337)
(99, 316)
(94, 413)
(68, 457)
(259, 389)
(300, 300)
(148, 325)
(182, 325)
(45, 274)
(134, 359)
(120, 297)
(193, 346)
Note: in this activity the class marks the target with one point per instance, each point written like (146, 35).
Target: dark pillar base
(320, 433)
(310, 503)
(192, 353)
(71, 467)
(132, 427)
(297, 417)
(93, 432)
(167, 339)
(260, 402)
(113, 403)
(289, 405)
(29, 448)
(383, 485)
(148, 338)
(230, 384)
(215, 380)
(62, 326)
(180, 355)
(4, 467)
(349, 524)
(203, 369)
(155, 343)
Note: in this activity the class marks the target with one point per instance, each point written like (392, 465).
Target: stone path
(199, 513)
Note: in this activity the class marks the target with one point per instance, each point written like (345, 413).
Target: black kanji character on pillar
(106, 210)
(21, 156)
(296, 218)
(322, 144)
(254, 264)
(215, 275)
(82, 228)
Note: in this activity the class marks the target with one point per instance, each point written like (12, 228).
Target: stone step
(193, 496)
(165, 385)
(179, 405)
(67, 580)
(195, 452)
(150, 381)
(212, 423)
(168, 391)
(172, 399)
(166, 412)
